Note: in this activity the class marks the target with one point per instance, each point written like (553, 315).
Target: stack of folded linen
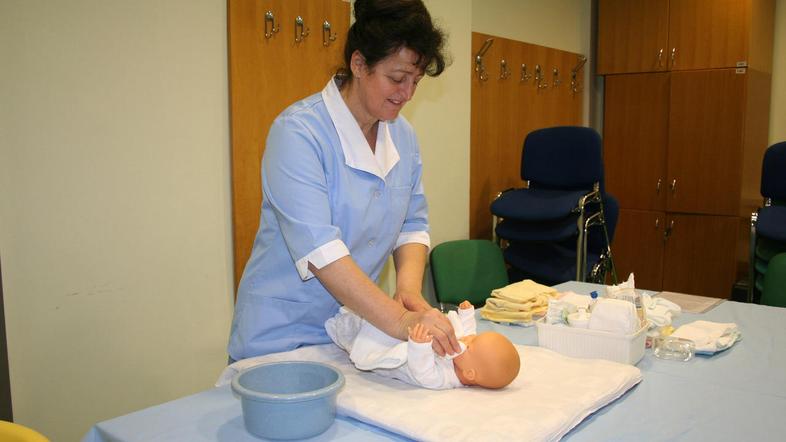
(517, 302)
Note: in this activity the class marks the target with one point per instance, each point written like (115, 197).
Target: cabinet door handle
(657, 222)
(674, 185)
(673, 57)
(657, 186)
(660, 57)
(667, 232)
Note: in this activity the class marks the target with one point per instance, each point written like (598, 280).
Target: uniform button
(377, 194)
(371, 243)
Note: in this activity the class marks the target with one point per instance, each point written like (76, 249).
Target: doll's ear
(469, 374)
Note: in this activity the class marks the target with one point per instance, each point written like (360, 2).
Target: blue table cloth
(738, 394)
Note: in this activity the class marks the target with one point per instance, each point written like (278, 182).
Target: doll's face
(490, 361)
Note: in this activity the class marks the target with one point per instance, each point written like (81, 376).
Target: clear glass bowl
(673, 349)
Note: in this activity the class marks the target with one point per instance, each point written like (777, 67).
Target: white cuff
(420, 237)
(320, 257)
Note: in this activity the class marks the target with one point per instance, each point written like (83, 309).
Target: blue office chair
(768, 223)
(557, 228)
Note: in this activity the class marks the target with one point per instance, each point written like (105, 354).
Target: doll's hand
(419, 334)
(465, 305)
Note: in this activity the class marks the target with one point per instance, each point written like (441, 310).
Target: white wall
(114, 205)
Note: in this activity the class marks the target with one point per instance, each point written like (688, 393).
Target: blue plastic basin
(288, 400)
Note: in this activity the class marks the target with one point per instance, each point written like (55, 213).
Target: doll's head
(490, 361)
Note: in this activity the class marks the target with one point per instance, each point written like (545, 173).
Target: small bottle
(639, 308)
(593, 300)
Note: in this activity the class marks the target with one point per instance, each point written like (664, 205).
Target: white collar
(356, 151)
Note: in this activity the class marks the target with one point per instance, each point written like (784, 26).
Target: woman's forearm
(354, 289)
(410, 262)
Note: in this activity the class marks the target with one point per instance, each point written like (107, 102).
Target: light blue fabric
(735, 395)
(310, 198)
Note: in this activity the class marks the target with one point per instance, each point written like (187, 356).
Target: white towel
(709, 337)
(660, 312)
(615, 316)
(552, 394)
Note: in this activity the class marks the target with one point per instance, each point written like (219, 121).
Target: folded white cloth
(615, 316)
(552, 394)
(579, 301)
(660, 311)
(709, 337)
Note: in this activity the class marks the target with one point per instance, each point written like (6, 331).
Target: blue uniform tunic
(325, 195)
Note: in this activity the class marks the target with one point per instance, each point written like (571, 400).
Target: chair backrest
(773, 178)
(774, 290)
(562, 157)
(467, 269)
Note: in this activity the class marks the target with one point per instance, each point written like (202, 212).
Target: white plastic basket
(592, 344)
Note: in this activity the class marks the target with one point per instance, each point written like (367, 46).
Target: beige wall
(114, 188)
(114, 205)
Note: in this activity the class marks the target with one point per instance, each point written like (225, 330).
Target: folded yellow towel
(502, 316)
(504, 305)
(517, 302)
(522, 291)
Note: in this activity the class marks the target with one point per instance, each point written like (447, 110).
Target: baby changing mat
(552, 394)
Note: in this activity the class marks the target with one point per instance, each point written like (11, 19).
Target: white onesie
(370, 349)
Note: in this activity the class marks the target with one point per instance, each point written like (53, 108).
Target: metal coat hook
(479, 67)
(574, 82)
(524, 75)
(272, 20)
(539, 80)
(504, 72)
(301, 31)
(555, 81)
(327, 35)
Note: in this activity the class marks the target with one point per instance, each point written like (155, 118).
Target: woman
(341, 180)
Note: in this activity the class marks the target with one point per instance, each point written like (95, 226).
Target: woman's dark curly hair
(382, 27)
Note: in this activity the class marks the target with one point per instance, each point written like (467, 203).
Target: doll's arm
(421, 359)
(466, 314)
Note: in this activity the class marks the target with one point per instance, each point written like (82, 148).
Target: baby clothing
(415, 363)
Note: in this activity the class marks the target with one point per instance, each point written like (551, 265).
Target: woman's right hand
(439, 327)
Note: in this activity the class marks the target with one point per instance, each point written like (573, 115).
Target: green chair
(774, 292)
(467, 269)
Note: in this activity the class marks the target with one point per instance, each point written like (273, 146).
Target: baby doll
(487, 359)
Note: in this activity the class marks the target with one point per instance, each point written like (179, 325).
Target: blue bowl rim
(247, 393)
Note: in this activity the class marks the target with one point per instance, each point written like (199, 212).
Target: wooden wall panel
(505, 110)
(267, 75)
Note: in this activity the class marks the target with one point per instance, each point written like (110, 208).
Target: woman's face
(384, 89)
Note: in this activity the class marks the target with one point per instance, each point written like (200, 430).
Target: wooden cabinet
(632, 35)
(677, 252)
(638, 247)
(705, 145)
(699, 254)
(657, 35)
(636, 130)
(679, 150)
